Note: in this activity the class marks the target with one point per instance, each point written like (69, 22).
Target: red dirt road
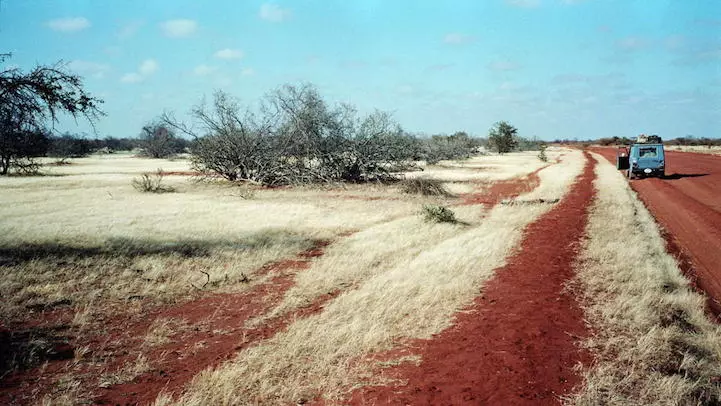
(687, 203)
(517, 343)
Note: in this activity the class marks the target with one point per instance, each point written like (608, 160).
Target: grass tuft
(438, 214)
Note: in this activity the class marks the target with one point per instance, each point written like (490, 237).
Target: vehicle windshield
(648, 152)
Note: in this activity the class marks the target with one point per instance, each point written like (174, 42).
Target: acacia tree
(30, 102)
(503, 137)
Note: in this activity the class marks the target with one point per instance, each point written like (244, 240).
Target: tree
(159, 141)
(503, 137)
(29, 102)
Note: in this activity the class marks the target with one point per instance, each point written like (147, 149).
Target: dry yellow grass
(403, 279)
(652, 342)
(89, 237)
(487, 168)
(704, 149)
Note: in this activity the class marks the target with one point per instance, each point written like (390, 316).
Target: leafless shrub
(425, 186)
(296, 138)
(152, 183)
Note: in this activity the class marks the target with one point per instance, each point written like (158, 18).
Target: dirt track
(687, 203)
(516, 344)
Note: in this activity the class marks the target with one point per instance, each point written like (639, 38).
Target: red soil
(687, 204)
(213, 332)
(503, 190)
(516, 344)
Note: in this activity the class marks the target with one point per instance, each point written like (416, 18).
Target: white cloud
(503, 66)
(179, 28)
(69, 24)
(132, 78)
(148, 67)
(274, 13)
(247, 72)
(228, 53)
(456, 38)
(204, 70)
(113, 51)
(632, 43)
(524, 3)
(94, 69)
(129, 29)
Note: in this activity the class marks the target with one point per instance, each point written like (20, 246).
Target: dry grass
(703, 149)
(88, 241)
(488, 167)
(161, 331)
(652, 342)
(400, 280)
(127, 372)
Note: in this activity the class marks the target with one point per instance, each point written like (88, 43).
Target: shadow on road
(677, 176)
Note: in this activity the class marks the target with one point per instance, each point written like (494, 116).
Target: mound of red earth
(517, 343)
(687, 204)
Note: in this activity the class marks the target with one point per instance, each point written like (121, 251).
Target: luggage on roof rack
(648, 139)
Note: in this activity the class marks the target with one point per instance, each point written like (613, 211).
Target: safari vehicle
(645, 157)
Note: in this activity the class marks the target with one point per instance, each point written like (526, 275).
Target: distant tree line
(615, 140)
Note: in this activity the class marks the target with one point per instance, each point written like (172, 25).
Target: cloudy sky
(554, 68)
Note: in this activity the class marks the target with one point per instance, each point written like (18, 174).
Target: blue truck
(643, 158)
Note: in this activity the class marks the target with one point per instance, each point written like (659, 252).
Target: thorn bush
(425, 186)
(152, 183)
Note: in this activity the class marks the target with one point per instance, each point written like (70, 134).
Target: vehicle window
(647, 152)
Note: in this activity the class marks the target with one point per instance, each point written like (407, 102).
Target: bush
(446, 147)
(438, 214)
(152, 183)
(424, 186)
(542, 153)
(503, 137)
(296, 138)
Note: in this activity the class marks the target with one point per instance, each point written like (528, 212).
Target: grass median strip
(652, 341)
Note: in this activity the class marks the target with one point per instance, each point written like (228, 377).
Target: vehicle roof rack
(648, 139)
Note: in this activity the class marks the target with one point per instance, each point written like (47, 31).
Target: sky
(553, 68)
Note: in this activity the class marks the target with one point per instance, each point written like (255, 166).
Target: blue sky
(553, 68)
